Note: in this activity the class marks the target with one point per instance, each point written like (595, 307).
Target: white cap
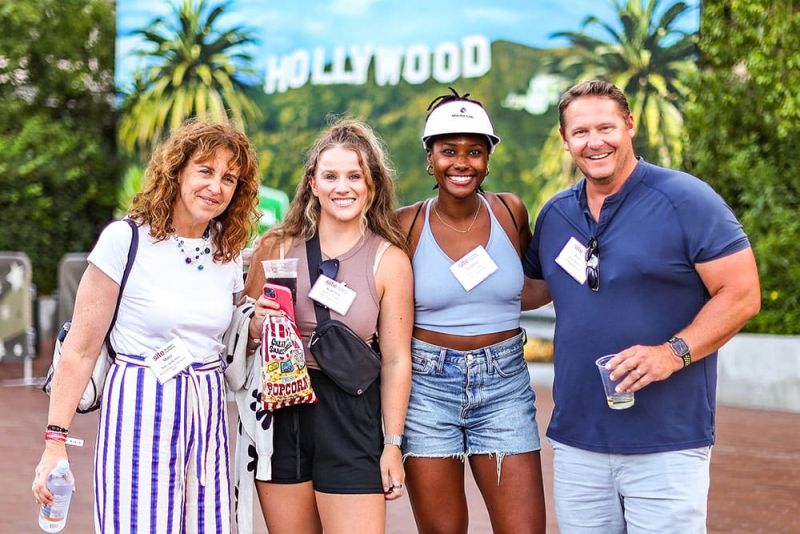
(459, 117)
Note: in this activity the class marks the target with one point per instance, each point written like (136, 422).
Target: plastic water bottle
(53, 516)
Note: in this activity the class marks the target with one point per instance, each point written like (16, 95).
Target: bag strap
(414, 221)
(502, 200)
(132, 249)
(314, 255)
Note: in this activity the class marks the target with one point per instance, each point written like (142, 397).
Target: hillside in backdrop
(293, 119)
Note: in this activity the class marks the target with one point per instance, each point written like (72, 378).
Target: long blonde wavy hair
(378, 214)
(200, 139)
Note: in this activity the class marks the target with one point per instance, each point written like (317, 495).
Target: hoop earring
(429, 170)
(487, 170)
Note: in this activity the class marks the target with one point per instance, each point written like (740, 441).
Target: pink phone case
(282, 295)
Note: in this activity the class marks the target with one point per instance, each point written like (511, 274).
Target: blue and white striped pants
(161, 460)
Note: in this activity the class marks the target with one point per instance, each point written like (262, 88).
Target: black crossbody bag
(341, 354)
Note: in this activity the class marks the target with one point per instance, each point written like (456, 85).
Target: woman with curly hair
(333, 464)
(162, 444)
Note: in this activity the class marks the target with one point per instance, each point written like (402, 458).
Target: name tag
(572, 259)
(332, 294)
(170, 360)
(473, 268)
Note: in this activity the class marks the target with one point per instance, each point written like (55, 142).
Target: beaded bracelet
(56, 428)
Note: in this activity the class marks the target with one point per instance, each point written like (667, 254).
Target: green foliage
(57, 165)
(197, 70)
(743, 122)
(648, 57)
(132, 181)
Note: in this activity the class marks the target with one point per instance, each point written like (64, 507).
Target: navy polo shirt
(650, 235)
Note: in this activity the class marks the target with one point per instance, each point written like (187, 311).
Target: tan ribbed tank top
(355, 269)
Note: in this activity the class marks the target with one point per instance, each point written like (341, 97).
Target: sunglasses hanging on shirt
(329, 268)
(593, 264)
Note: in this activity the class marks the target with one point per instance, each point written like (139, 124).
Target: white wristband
(389, 439)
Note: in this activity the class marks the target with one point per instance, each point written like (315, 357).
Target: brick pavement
(755, 468)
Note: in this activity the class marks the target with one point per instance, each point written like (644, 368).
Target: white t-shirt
(164, 296)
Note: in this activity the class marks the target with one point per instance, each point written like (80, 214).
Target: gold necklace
(474, 218)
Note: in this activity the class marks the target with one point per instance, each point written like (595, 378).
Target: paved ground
(755, 468)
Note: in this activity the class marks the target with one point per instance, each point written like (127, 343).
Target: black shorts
(336, 443)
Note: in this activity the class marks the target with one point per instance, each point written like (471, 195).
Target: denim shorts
(470, 402)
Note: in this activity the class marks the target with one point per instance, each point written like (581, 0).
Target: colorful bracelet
(51, 435)
(56, 428)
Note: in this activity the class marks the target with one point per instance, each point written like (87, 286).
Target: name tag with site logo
(332, 294)
(170, 360)
(572, 259)
(473, 268)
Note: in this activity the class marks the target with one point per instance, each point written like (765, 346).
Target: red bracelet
(51, 435)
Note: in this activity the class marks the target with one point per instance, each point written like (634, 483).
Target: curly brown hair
(200, 139)
(379, 210)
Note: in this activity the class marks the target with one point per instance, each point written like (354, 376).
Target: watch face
(679, 346)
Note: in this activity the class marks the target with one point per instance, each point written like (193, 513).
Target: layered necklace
(192, 257)
(453, 228)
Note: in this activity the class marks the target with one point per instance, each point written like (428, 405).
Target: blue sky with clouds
(283, 27)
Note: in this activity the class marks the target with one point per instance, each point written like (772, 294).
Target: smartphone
(283, 296)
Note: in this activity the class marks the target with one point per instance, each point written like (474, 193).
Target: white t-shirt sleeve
(110, 253)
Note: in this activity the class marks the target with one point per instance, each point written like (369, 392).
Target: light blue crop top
(442, 305)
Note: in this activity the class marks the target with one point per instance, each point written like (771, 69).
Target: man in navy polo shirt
(649, 263)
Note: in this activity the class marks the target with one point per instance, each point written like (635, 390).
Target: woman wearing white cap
(471, 396)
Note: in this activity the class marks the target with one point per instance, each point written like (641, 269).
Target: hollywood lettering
(415, 64)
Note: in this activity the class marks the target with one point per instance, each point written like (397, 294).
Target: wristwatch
(389, 439)
(681, 350)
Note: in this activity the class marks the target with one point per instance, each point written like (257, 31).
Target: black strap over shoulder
(513, 219)
(314, 255)
(132, 249)
(413, 222)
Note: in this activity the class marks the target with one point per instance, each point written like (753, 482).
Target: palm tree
(645, 56)
(196, 70)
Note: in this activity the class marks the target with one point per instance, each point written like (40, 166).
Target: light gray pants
(599, 493)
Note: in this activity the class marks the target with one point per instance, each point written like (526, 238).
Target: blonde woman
(334, 465)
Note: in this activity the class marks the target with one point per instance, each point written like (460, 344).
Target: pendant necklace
(474, 218)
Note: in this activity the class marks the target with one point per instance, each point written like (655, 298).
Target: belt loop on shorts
(440, 360)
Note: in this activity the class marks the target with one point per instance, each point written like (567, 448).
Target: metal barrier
(17, 294)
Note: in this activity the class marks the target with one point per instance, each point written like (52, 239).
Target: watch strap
(681, 350)
(395, 440)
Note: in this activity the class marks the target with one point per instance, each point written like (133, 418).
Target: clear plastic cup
(616, 401)
(282, 272)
